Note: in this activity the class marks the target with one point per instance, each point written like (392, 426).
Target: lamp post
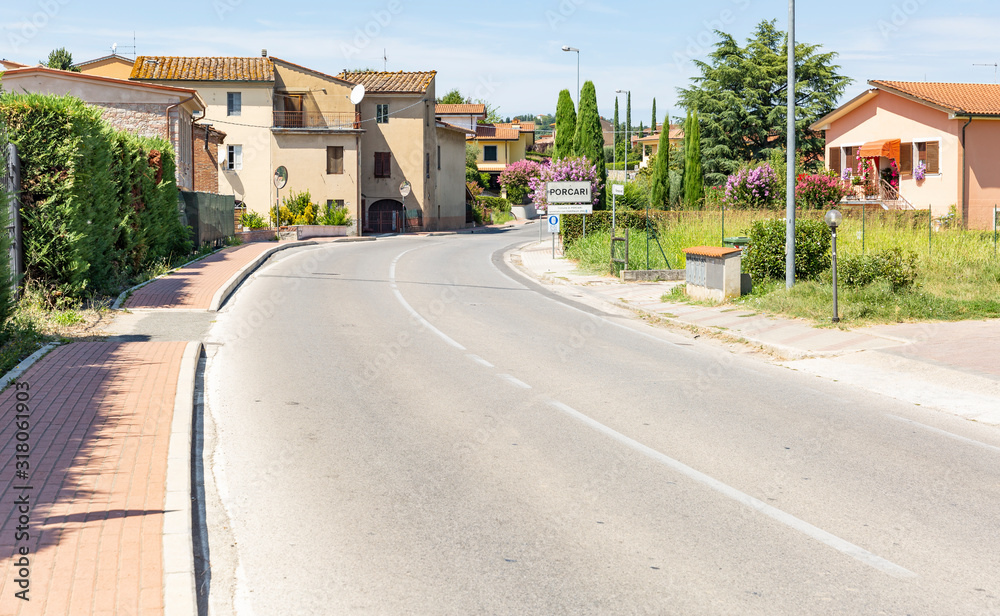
(833, 218)
(568, 48)
(615, 165)
(790, 155)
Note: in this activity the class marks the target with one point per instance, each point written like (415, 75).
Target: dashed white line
(513, 380)
(787, 519)
(479, 360)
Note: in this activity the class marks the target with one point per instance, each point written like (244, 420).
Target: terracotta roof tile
(168, 68)
(463, 109)
(526, 127)
(963, 98)
(491, 131)
(390, 83)
(710, 251)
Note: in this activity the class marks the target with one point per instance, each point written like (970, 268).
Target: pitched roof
(958, 98)
(44, 70)
(526, 127)
(460, 129)
(462, 109)
(493, 132)
(113, 56)
(379, 82)
(307, 69)
(178, 68)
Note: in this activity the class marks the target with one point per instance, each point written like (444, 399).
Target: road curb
(179, 596)
(27, 362)
(222, 294)
(787, 353)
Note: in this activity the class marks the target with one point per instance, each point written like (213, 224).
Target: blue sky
(510, 53)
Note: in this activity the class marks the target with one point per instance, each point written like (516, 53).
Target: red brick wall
(206, 163)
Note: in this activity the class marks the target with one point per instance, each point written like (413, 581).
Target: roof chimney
(263, 53)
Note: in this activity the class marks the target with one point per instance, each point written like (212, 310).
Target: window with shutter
(905, 158)
(334, 159)
(835, 160)
(933, 162)
(382, 165)
(852, 162)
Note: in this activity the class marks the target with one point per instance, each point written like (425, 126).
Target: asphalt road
(410, 427)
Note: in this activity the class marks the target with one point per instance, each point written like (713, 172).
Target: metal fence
(10, 189)
(210, 216)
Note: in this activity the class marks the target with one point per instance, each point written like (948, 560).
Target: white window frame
(234, 157)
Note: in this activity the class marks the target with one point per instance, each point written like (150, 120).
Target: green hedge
(493, 203)
(764, 257)
(600, 220)
(894, 266)
(98, 205)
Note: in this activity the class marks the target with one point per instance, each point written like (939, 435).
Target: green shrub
(335, 216)
(894, 266)
(493, 203)
(635, 198)
(764, 258)
(98, 205)
(253, 220)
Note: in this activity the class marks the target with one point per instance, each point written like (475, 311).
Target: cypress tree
(652, 127)
(565, 127)
(628, 124)
(617, 125)
(589, 139)
(694, 175)
(660, 189)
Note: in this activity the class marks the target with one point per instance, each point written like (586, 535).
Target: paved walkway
(193, 287)
(99, 427)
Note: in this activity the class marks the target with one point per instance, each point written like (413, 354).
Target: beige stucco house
(502, 144)
(465, 115)
(950, 130)
(652, 141)
(403, 141)
(144, 109)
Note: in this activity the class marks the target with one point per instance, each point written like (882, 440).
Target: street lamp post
(628, 93)
(833, 218)
(568, 48)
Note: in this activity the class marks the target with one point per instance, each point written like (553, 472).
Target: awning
(491, 167)
(883, 147)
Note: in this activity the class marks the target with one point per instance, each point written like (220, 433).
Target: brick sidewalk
(100, 427)
(194, 286)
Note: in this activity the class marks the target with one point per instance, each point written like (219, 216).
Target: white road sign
(571, 208)
(618, 189)
(553, 223)
(568, 192)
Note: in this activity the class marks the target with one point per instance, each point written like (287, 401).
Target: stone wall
(146, 119)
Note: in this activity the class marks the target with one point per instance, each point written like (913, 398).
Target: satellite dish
(358, 93)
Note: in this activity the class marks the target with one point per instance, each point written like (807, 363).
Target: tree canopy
(61, 59)
(741, 98)
(589, 138)
(453, 97)
(565, 126)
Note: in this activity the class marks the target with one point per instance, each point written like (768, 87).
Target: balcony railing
(877, 190)
(317, 119)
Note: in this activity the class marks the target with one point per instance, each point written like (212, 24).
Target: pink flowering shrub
(565, 170)
(818, 192)
(516, 178)
(752, 188)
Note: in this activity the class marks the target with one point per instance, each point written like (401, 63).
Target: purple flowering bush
(565, 170)
(920, 171)
(752, 188)
(516, 179)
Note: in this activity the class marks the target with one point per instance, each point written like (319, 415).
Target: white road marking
(744, 499)
(479, 360)
(513, 380)
(945, 433)
(416, 315)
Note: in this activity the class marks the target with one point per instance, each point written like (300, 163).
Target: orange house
(947, 132)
